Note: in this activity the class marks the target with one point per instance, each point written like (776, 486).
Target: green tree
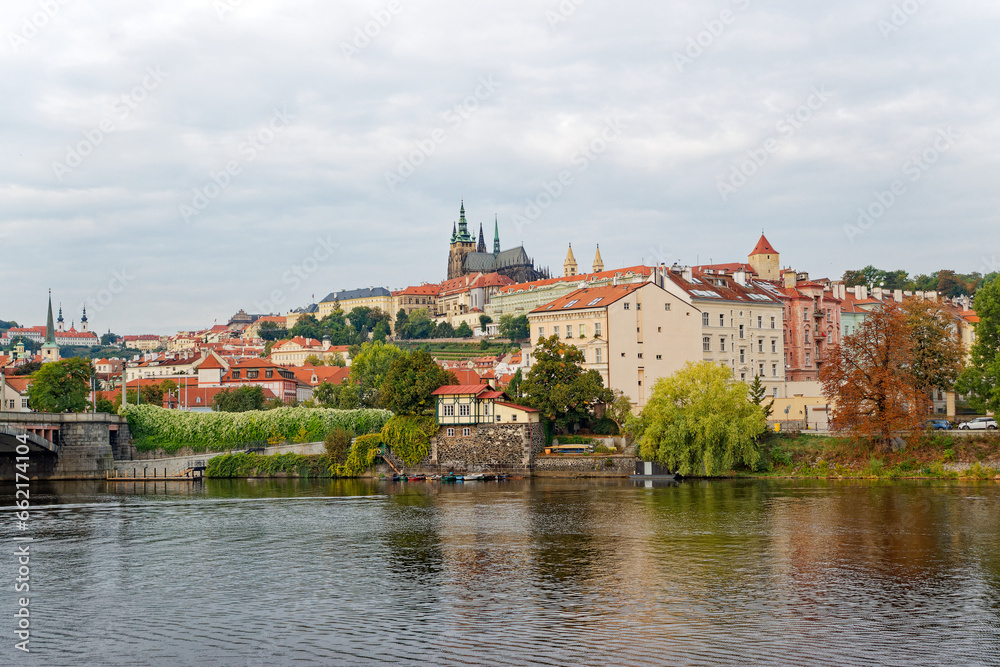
(514, 386)
(463, 330)
(271, 331)
(758, 392)
(104, 405)
(381, 332)
(402, 319)
(338, 360)
(936, 353)
(109, 339)
(407, 387)
(619, 410)
(514, 328)
(558, 386)
(61, 386)
(854, 278)
(699, 422)
(483, 321)
(444, 330)
(981, 378)
(314, 360)
(240, 399)
(369, 367)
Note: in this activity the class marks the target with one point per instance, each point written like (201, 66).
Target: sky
(171, 163)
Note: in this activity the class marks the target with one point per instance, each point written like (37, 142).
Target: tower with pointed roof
(50, 349)
(482, 240)
(764, 260)
(60, 322)
(598, 262)
(496, 235)
(569, 266)
(462, 243)
(83, 320)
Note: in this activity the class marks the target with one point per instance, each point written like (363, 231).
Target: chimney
(687, 273)
(877, 293)
(864, 292)
(931, 296)
(966, 305)
(897, 296)
(789, 278)
(740, 276)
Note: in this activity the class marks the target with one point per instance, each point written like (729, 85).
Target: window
(774, 370)
(706, 344)
(597, 356)
(805, 313)
(704, 319)
(774, 345)
(463, 410)
(449, 410)
(623, 354)
(760, 369)
(722, 320)
(760, 321)
(252, 374)
(583, 331)
(638, 306)
(597, 329)
(451, 432)
(772, 322)
(486, 409)
(743, 355)
(197, 399)
(741, 331)
(466, 431)
(743, 377)
(555, 330)
(541, 332)
(626, 306)
(774, 392)
(569, 331)
(498, 418)
(268, 373)
(722, 344)
(640, 355)
(236, 375)
(666, 306)
(807, 359)
(760, 344)
(659, 356)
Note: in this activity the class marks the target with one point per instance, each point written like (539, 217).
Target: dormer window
(236, 375)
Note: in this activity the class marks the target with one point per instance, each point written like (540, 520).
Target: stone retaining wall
(595, 465)
(170, 466)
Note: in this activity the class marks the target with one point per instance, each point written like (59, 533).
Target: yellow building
(371, 297)
(632, 335)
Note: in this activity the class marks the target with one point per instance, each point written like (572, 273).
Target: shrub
(361, 456)
(605, 426)
(409, 437)
(257, 465)
(154, 427)
(603, 449)
(336, 443)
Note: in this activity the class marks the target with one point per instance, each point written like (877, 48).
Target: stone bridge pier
(63, 446)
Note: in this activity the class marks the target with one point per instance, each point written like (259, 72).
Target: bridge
(63, 446)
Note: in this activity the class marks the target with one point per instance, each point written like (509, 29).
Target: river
(543, 572)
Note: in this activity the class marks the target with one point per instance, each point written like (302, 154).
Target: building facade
(465, 256)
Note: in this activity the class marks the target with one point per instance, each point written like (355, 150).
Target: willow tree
(872, 381)
(699, 421)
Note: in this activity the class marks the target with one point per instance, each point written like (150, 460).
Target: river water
(543, 572)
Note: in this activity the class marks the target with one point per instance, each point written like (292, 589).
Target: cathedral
(465, 256)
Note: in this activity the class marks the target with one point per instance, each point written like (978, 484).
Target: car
(938, 424)
(979, 423)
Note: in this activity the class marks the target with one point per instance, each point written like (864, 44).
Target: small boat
(489, 477)
(416, 478)
(474, 477)
(399, 478)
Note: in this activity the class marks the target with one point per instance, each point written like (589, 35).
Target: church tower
(60, 322)
(569, 266)
(764, 260)
(462, 243)
(496, 235)
(50, 349)
(482, 240)
(83, 320)
(598, 262)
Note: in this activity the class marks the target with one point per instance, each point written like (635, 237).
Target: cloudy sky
(170, 163)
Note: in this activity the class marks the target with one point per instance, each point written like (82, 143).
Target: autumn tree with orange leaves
(879, 378)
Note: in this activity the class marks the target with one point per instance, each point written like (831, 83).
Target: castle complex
(466, 257)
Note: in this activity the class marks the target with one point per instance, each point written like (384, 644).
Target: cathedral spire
(50, 329)
(569, 266)
(50, 349)
(454, 232)
(598, 262)
(463, 227)
(496, 235)
(482, 241)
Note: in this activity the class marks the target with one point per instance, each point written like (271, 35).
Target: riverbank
(936, 455)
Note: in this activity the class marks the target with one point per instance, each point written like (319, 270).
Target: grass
(925, 456)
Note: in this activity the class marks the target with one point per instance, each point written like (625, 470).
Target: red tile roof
(584, 298)
(523, 287)
(419, 290)
(449, 389)
(524, 408)
(763, 247)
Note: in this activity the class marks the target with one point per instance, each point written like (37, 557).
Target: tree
(109, 339)
(168, 386)
(418, 325)
(240, 399)
(981, 378)
(758, 393)
(61, 386)
(514, 328)
(558, 386)
(313, 360)
(271, 331)
(407, 387)
(483, 321)
(937, 353)
(402, 319)
(869, 378)
(619, 410)
(28, 368)
(699, 421)
(338, 360)
(853, 278)
(369, 367)
(381, 332)
(104, 405)
(514, 386)
(463, 330)
(444, 330)
(152, 394)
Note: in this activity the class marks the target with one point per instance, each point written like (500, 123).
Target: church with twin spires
(466, 256)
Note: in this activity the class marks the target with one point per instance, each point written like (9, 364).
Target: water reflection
(524, 572)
